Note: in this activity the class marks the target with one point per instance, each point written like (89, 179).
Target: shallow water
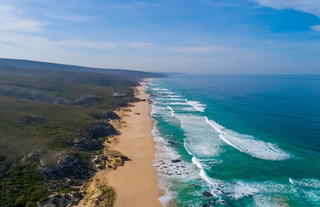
(238, 140)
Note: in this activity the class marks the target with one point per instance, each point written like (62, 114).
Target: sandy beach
(135, 183)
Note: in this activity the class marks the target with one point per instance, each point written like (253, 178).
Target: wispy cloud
(29, 41)
(86, 44)
(307, 6)
(316, 27)
(197, 49)
(142, 45)
(103, 45)
(71, 17)
(12, 19)
(129, 5)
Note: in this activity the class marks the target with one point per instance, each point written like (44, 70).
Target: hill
(54, 119)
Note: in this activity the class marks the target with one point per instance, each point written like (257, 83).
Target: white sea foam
(178, 103)
(169, 93)
(172, 111)
(247, 144)
(173, 96)
(170, 99)
(160, 89)
(167, 168)
(162, 153)
(176, 99)
(239, 189)
(212, 182)
(242, 189)
(200, 140)
(164, 159)
(197, 105)
(188, 109)
(309, 183)
(156, 109)
(263, 201)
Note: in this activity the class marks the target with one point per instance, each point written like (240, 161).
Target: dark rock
(116, 159)
(88, 144)
(175, 161)
(101, 167)
(99, 129)
(63, 199)
(31, 157)
(125, 158)
(34, 119)
(110, 115)
(207, 193)
(87, 101)
(175, 144)
(100, 159)
(69, 166)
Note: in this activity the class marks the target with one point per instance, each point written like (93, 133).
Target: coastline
(135, 183)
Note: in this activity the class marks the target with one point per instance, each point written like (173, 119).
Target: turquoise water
(238, 140)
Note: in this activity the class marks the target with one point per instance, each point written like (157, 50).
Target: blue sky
(205, 36)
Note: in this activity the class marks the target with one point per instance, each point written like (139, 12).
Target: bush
(22, 186)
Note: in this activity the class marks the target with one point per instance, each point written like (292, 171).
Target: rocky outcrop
(93, 136)
(64, 173)
(207, 194)
(31, 157)
(115, 159)
(63, 199)
(176, 160)
(99, 129)
(100, 161)
(87, 101)
(97, 195)
(88, 144)
(68, 166)
(110, 115)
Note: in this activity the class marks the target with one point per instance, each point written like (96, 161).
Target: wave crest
(246, 144)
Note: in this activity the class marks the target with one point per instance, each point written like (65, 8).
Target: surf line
(272, 151)
(172, 111)
(198, 106)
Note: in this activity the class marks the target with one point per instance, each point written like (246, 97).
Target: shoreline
(135, 183)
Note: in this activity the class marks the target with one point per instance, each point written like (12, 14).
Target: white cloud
(129, 5)
(316, 27)
(86, 44)
(307, 6)
(11, 19)
(197, 49)
(71, 17)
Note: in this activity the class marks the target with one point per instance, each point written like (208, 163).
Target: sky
(198, 36)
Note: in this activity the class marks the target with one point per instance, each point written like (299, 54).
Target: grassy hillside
(27, 64)
(53, 120)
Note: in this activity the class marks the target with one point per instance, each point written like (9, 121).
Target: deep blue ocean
(237, 140)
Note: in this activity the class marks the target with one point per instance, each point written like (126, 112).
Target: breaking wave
(247, 144)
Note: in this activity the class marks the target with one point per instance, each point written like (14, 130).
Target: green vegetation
(108, 196)
(2, 158)
(45, 108)
(22, 186)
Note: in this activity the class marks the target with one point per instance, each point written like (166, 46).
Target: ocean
(237, 140)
